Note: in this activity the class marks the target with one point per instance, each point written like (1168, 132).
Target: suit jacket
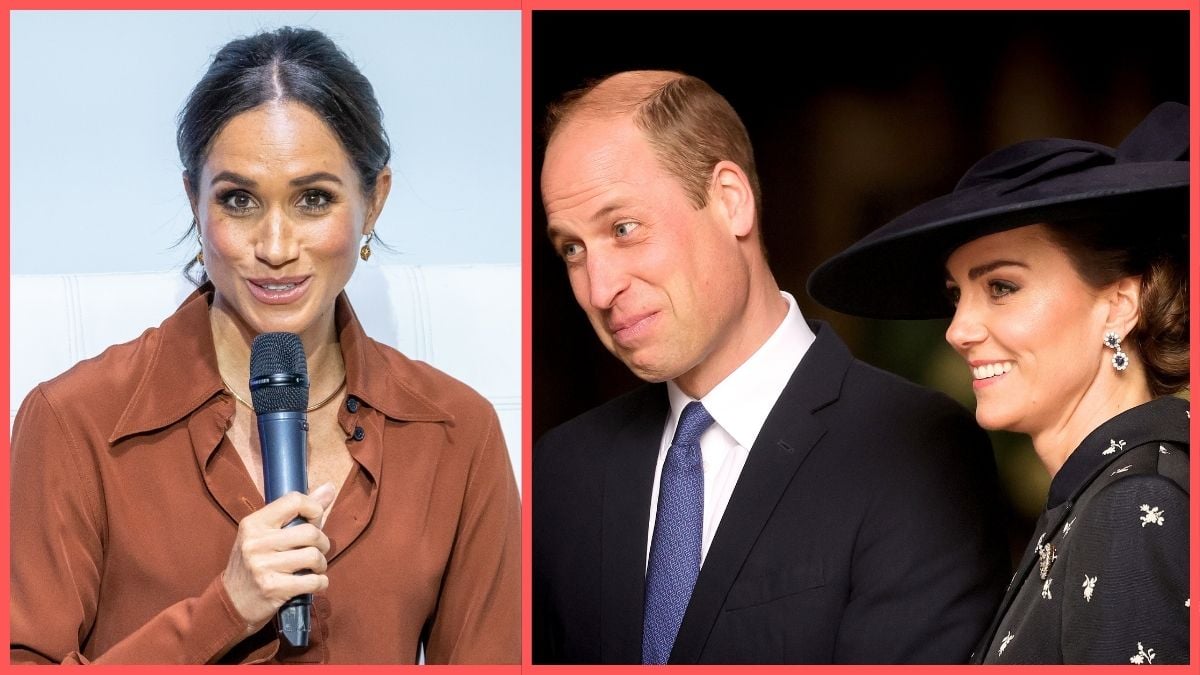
(1105, 579)
(863, 529)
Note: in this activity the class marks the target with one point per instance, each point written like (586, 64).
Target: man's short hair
(690, 126)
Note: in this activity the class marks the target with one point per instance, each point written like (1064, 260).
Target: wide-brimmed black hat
(897, 271)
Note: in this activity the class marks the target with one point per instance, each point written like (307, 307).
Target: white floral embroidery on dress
(1164, 450)
(1067, 526)
(1143, 656)
(1153, 515)
(1046, 589)
(1089, 587)
(1004, 643)
(1114, 446)
(1121, 470)
(1187, 603)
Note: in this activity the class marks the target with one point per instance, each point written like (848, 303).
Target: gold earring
(365, 251)
(200, 242)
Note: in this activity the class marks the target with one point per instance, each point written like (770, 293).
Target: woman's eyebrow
(235, 178)
(239, 179)
(315, 178)
(979, 270)
(983, 269)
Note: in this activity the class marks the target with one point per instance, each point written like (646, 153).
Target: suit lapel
(789, 434)
(628, 478)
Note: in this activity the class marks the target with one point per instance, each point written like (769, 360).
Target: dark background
(855, 117)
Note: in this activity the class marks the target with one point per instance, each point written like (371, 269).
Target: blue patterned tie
(675, 550)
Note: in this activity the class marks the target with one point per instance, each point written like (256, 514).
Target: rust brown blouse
(126, 496)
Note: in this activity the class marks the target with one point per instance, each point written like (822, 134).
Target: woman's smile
(278, 291)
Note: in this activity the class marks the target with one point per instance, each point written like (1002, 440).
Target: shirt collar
(380, 375)
(742, 401)
(1163, 419)
(182, 374)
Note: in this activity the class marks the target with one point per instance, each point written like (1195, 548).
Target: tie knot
(692, 423)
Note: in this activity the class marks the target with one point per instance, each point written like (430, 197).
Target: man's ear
(729, 190)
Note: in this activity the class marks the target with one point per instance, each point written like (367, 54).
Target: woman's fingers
(292, 505)
(271, 563)
(296, 536)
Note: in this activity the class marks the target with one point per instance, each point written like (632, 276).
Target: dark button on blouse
(359, 434)
(352, 404)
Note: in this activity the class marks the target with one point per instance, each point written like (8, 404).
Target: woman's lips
(980, 384)
(989, 373)
(278, 291)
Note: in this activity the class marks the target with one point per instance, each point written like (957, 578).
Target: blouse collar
(1164, 419)
(182, 374)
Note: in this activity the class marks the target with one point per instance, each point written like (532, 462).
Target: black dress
(1105, 579)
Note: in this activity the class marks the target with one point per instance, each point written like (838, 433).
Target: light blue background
(96, 177)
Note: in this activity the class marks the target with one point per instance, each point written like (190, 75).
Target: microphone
(279, 389)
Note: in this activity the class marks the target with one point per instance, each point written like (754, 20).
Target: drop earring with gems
(365, 251)
(1120, 360)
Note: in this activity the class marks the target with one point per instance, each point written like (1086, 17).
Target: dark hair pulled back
(1103, 251)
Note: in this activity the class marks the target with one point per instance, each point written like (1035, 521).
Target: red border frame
(527, 7)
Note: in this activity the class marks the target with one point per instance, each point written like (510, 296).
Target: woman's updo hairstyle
(287, 64)
(1103, 251)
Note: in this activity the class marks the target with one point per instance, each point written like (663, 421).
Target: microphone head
(278, 373)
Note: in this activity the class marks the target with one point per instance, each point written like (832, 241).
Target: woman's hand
(260, 576)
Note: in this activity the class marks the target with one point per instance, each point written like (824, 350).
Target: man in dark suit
(775, 501)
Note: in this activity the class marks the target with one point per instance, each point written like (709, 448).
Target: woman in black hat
(1064, 266)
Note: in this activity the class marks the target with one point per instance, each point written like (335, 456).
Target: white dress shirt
(739, 406)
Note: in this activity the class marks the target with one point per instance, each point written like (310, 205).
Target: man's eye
(571, 250)
(623, 229)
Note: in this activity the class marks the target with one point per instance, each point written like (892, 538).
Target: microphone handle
(283, 438)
